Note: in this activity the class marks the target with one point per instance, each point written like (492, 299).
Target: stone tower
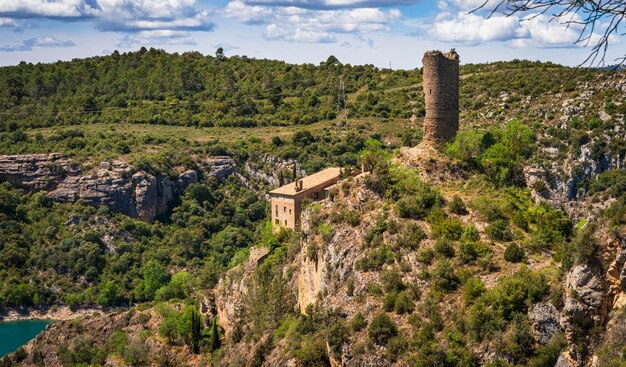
(441, 89)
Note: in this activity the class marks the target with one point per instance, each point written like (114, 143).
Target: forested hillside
(506, 247)
(152, 86)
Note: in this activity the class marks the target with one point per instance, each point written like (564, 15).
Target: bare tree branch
(603, 16)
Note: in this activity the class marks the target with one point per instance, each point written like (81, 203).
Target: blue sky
(379, 32)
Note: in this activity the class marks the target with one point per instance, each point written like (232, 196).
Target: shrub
(514, 253)
(457, 206)
(488, 209)
(450, 229)
(425, 256)
(358, 322)
(396, 347)
(517, 340)
(499, 230)
(444, 247)
(616, 213)
(548, 355)
(467, 146)
(312, 353)
(390, 301)
(412, 207)
(411, 236)
(337, 336)
(444, 277)
(472, 290)
(381, 329)
(501, 165)
(469, 252)
(404, 303)
(350, 288)
(418, 198)
(392, 281)
(375, 259)
(470, 234)
(581, 249)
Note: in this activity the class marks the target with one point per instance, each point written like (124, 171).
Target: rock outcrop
(115, 185)
(231, 290)
(544, 318)
(586, 295)
(584, 306)
(36, 171)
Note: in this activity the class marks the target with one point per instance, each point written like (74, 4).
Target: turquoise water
(14, 334)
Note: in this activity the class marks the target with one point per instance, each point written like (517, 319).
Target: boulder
(219, 167)
(544, 318)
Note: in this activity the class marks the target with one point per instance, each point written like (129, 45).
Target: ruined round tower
(441, 89)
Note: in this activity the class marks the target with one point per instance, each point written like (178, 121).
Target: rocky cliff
(113, 184)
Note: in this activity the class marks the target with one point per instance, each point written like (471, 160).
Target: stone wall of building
(441, 89)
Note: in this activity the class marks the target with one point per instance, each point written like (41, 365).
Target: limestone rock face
(112, 184)
(219, 167)
(232, 289)
(36, 171)
(586, 291)
(544, 318)
(563, 361)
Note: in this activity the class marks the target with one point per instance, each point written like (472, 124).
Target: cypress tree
(214, 341)
(196, 328)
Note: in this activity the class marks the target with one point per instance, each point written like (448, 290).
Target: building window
(276, 206)
(289, 211)
(277, 221)
(285, 222)
(285, 210)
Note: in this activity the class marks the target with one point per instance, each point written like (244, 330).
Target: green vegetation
(428, 237)
(382, 329)
(80, 255)
(154, 87)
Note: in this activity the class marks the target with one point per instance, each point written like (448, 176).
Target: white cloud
(47, 41)
(274, 32)
(470, 5)
(533, 30)
(164, 18)
(298, 24)
(156, 37)
(8, 22)
(544, 33)
(139, 15)
(49, 8)
(332, 4)
(246, 13)
(472, 28)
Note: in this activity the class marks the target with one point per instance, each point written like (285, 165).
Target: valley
(500, 244)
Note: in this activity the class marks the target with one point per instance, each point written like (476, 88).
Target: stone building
(287, 200)
(441, 89)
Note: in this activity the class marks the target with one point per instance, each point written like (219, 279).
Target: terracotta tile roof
(309, 182)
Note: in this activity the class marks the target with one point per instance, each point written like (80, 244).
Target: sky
(386, 33)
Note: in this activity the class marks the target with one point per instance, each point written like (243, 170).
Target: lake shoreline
(59, 313)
